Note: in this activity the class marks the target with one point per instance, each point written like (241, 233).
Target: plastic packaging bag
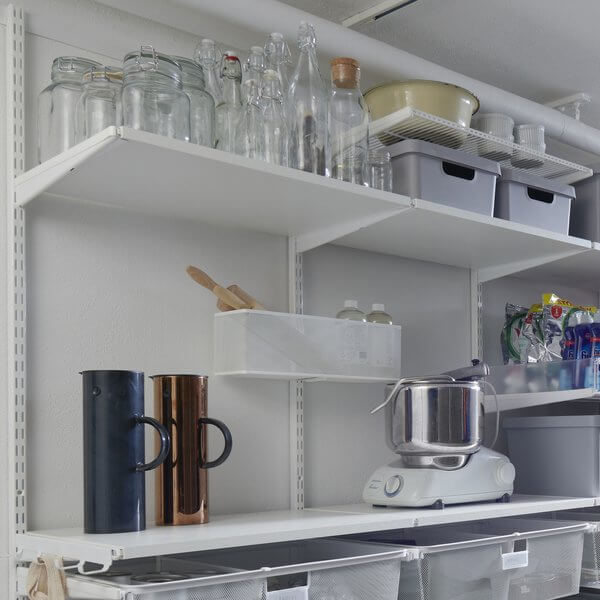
(511, 332)
(531, 341)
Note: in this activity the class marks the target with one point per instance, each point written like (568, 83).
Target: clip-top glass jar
(57, 103)
(153, 97)
(202, 105)
(99, 105)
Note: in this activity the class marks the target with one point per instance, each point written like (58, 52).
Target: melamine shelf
(228, 531)
(136, 170)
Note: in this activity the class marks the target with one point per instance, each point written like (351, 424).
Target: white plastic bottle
(378, 315)
(351, 312)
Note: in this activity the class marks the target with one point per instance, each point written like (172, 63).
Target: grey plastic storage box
(555, 456)
(488, 560)
(585, 214)
(443, 175)
(533, 200)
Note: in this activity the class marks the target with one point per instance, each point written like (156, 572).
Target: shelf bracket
(308, 241)
(476, 317)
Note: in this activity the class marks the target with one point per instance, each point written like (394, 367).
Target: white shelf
(526, 400)
(410, 123)
(135, 170)
(268, 527)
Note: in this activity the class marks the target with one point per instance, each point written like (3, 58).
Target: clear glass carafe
(99, 106)
(230, 113)
(348, 123)
(307, 109)
(274, 121)
(252, 73)
(153, 96)
(57, 105)
(209, 56)
(202, 105)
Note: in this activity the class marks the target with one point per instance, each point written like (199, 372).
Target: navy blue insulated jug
(114, 451)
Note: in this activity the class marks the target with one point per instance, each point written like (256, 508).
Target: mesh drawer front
(241, 590)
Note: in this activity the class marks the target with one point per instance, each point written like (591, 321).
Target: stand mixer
(436, 425)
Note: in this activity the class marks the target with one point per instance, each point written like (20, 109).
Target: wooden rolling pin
(243, 295)
(220, 292)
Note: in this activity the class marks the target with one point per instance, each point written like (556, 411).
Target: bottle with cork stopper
(348, 123)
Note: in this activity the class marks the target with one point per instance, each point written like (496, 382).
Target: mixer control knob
(505, 474)
(393, 485)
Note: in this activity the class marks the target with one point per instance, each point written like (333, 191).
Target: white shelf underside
(134, 170)
(227, 531)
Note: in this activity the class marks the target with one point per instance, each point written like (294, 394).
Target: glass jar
(380, 170)
(153, 97)
(57, 103)
(99, 106)
(202, 105)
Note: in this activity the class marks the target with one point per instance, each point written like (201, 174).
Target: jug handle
(165, 444)
(226, 436)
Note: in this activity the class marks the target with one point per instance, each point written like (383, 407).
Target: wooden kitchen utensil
(220, 292)
(243, 295)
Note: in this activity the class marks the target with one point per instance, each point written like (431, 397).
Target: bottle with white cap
(351, 312)
(378, 315)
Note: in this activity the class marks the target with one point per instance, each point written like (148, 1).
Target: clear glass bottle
(378, 315)
(229, 113)
(380, 170)
(307, 109)
(209, 57)
(348, 123)
(351, 312)
(153, 97)
(278, 58)
(99, 106)
(252, 73)
(275, 125)
(202, 105)
(57, 105)
(252, 130)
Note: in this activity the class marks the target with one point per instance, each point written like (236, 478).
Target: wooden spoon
(220, 292)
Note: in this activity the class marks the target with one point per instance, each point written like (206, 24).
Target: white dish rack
(410, 123)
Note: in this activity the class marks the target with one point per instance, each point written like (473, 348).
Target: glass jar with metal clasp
(153, 97)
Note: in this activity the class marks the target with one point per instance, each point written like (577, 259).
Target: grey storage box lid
(445, 154)
(546, 422)
(535, 181)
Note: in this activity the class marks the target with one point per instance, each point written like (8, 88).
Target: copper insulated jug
(181, 403)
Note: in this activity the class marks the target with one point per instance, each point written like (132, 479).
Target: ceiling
(540, 49)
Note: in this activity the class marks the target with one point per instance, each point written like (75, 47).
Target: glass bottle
(229, 112)
(252, 73)
(252, 130)
(153, 97)
(209, 57)
(307, 109)
(99, 106)
(351, 312)
(378, 315)
(348, 123)
(278, 58)
(380, 169)
(202, 105)
(275, 126)
(57, 105)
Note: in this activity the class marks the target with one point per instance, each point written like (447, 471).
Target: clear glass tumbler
(57, 105)
(99, 106)
(153, 96)
(380, 170)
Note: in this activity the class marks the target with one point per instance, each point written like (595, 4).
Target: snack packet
(531, 341)
(511, 332)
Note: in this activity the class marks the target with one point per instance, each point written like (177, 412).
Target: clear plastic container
(307, 109)
(275, 124)
(498, 125)
(153, 96)
(57, 105)
(531, 136)
(380, 170)
(209, 56)
(351, 312)
(99, 106)
(202, 105)
(378, 315)
(348, 123)
(229, 113)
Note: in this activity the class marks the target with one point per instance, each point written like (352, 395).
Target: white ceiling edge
(242, 22)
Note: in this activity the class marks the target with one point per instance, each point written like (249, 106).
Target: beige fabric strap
(46, 579)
